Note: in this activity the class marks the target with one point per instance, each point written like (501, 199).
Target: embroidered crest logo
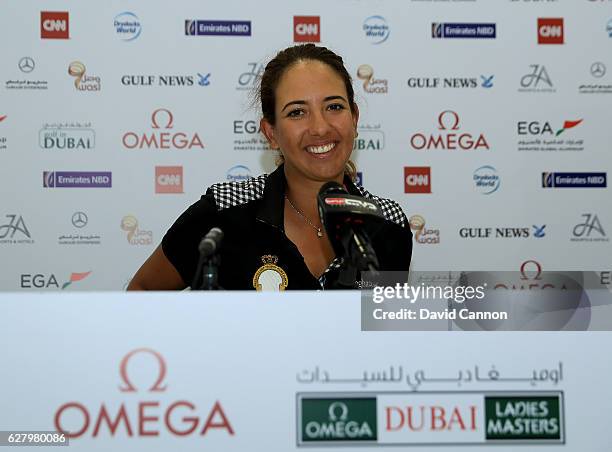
(270, 277)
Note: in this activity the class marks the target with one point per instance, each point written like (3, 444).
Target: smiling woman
(274, 239)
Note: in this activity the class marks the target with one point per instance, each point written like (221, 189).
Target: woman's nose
(318, 125)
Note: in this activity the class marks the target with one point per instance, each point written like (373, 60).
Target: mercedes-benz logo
(26, 64)
(598, 69)
(79, 219)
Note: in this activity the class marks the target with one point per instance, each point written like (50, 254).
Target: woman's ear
(268, 130)
(355, 116)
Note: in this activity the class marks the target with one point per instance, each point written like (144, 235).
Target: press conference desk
(277, 372)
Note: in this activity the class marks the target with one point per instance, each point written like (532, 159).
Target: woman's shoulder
(236, 193)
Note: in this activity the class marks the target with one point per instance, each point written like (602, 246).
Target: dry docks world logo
(434, 418)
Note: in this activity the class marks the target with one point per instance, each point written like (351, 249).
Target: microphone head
(215, 234)
(211, 241)
(331, 187)
(342, 214)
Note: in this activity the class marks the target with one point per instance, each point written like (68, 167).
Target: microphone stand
(210, 274)
(359, 257)
(207, 273)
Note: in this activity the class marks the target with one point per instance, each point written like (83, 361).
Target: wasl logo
(162, 119)
(136, 418)
(372, 85)
(422, 234)
(306, 29)
(135, 235)
(54, 25)
(450, 138)
(83, 82)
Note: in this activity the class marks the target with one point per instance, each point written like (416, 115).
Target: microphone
(206, 274)
(349, 222)
(211, 241)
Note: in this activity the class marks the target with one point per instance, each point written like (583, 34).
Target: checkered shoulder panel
(231, 194)
(390, 209)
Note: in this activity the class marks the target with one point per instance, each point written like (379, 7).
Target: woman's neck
(303, 194)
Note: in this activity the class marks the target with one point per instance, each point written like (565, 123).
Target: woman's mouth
(323, 149)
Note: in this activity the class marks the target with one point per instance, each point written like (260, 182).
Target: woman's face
(315, 127)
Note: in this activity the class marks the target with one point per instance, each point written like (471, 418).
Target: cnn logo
(54, 25)
(168, 179)
(417, 179)
(306, 29)
(550, 31)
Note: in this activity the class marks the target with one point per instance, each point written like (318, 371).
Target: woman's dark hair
(288, 57)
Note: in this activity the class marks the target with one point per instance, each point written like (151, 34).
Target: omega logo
(140, 418)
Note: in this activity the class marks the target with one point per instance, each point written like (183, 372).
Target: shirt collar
(272, 206)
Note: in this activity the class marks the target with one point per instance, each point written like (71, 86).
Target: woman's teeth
(320, 149)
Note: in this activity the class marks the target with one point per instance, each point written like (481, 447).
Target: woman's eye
(336, 107)
(295, 113)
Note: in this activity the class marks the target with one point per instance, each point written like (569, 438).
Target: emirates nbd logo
(337, 420)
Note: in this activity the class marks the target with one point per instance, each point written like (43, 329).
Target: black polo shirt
(251, 215)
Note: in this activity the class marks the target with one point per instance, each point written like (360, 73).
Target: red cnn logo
(168, 179)
(306, 29)
(417, 179)
(550, 31)
(54, 25)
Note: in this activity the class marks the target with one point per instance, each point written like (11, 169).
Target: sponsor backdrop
(486, 120)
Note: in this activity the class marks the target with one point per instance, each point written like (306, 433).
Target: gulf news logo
(431, 418)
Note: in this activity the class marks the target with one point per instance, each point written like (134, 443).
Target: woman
(274, 239)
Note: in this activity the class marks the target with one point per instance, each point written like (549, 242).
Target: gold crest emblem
(270, 277)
